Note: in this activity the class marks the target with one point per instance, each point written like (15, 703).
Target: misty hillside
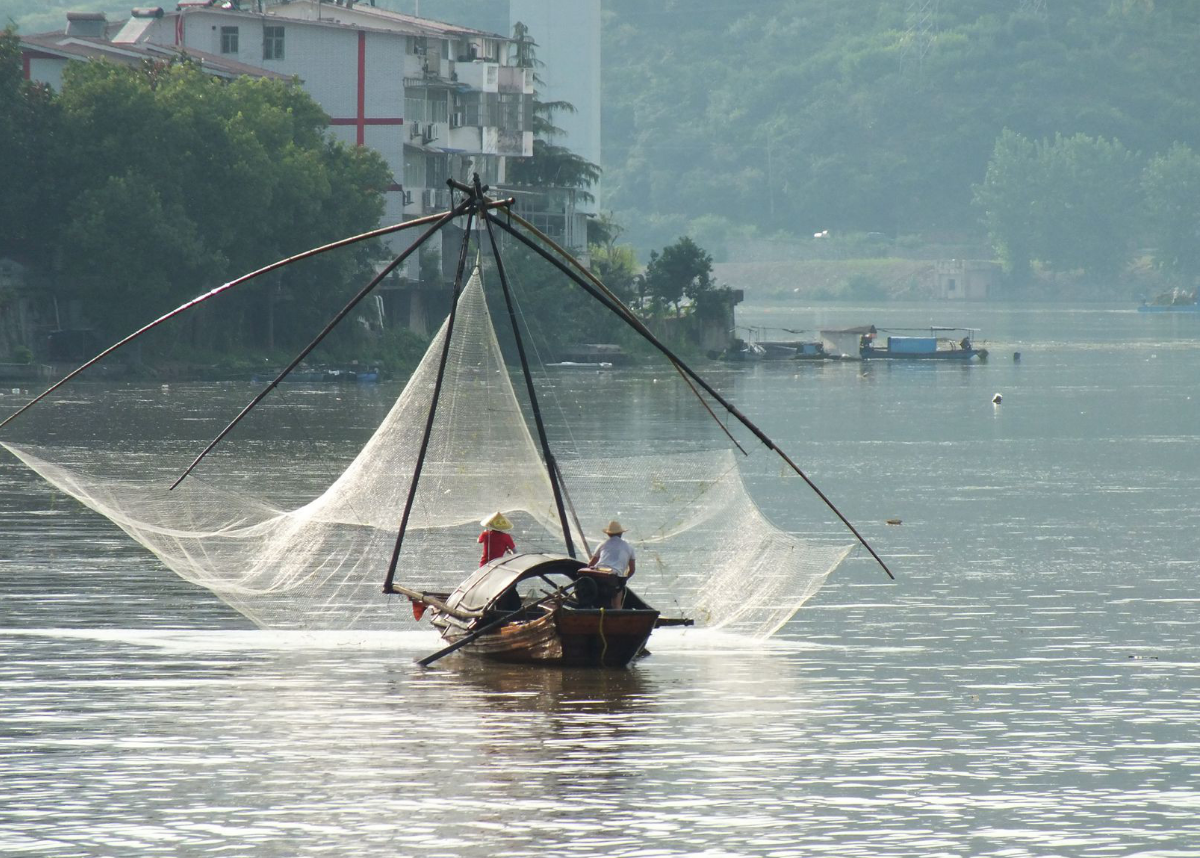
(804, 115)
(794, 116)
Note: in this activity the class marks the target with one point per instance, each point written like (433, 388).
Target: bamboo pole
(637, 325)
(551, 464)
(212, 293)
(441, 221)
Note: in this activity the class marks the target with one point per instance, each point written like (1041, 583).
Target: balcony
(478, 75)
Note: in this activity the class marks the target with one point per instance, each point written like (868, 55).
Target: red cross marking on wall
(361, 120)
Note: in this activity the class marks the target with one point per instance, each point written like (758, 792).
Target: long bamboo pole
(551, 465)
(212, 293)
(441, 221)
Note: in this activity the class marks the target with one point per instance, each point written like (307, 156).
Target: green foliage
(30, 184)
(616, 266)
(851, 117)
(1065, 202)
(1171, 187)
(682, 269)
(180, 181)
(124, 247)
(1006, 198)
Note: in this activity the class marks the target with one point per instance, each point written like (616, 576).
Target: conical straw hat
(496, 521)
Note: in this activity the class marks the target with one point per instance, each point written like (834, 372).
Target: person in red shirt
(495, 539)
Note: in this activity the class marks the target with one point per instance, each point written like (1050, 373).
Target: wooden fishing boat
(320, 564)
(548, 609)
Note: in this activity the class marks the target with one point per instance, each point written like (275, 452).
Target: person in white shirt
(615, 557)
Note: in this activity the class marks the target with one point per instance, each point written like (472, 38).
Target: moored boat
(1171, 301)
(953, 344)
(923, 348)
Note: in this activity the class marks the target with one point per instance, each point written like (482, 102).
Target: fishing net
(704, 548)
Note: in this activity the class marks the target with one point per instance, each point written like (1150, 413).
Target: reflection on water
(1030, 686)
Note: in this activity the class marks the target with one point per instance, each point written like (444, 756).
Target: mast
(551, 464)
(469, 206)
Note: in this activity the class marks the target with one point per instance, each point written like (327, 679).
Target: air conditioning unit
(408, 198)
(414, 131)
(429, 198)
(456, 120)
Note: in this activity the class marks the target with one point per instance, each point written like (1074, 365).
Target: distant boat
(756, 348)
(940, 344)
(1171, 301)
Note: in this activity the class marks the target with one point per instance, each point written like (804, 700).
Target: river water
(1028, 686)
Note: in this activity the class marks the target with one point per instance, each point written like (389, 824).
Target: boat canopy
(491, 580)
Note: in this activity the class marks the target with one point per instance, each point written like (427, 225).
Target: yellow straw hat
(497, 521)
(614, 528)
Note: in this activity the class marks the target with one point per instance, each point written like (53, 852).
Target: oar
(463, 641)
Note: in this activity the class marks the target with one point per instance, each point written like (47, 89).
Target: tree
(206, 180)
(1064, 202)
(552, 165)
(1171, 188)
(1007, 197)
(1087, 194)
(615, 265)
(129, 249)
(31, 191)
(682, 269)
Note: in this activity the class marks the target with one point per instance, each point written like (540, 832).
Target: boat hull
(568, 637)
(941, 354)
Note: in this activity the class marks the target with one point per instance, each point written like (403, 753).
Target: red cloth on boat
(495, 544)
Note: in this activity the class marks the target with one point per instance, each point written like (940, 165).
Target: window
(229, 40)
(272, 43)
(438, 111)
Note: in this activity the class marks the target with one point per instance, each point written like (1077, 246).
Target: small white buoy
(997, 399)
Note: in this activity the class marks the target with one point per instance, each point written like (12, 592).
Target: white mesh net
(704, 548)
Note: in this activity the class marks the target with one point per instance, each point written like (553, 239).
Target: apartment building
(437, 100)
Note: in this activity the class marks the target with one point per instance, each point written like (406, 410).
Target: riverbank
(908, 279)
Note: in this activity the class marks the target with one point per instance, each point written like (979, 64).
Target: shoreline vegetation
(813, 161)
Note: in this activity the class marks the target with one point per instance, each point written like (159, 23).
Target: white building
(89, 36)
(436, 100)
(567, 35)
(965, 279)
